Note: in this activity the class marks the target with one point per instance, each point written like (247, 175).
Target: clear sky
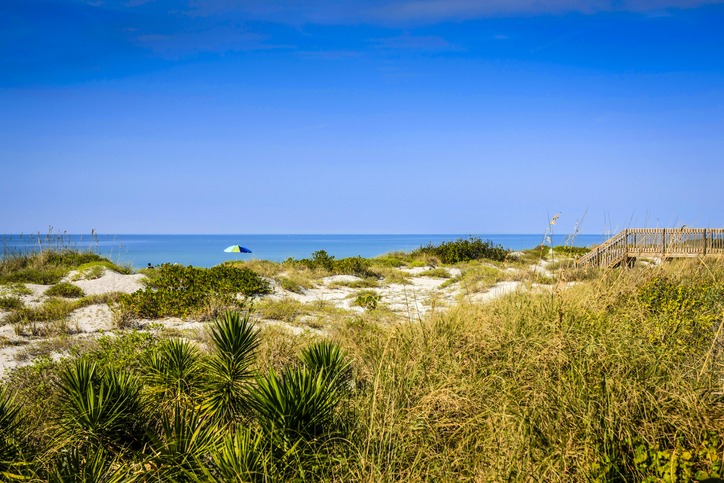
(344, 116)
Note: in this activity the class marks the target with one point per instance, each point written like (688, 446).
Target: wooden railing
(656, 243)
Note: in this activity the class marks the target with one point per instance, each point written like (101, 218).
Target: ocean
(208, 250)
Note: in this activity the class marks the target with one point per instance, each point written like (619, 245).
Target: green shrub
(435, 272)
(177, 291)
(687, 312)
(357, 266)
(11, 302)
(45, 276)
(394, 260)
(320, 259)
(50, 310)
(570, 251)
(367, 299)
(290, 285)
(463, 250)
(345, 266)
(286, 309)
(18, 289)
(65, 289)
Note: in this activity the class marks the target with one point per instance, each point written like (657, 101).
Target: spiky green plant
(235, 342)
(244, 456)
(92, 465)
(10, 463)
(296, 404)
(173, 371)
(180, 452)
(101, 409)
(328, 357)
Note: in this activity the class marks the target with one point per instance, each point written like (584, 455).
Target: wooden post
(663, 244)
(704, 241)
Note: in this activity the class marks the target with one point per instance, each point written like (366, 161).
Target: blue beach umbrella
(237, 249)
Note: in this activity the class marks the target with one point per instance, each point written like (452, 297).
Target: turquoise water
(208, 250)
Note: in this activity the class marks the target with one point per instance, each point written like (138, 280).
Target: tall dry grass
(588, 383)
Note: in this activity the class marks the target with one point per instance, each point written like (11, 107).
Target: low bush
(50, 310)
(463, 250)
(18, 289)
(367, 299)
(65, 289)
(290, 285)
(286, 309)
(357, 266)
(178, 291)
(435, 273)
(394, 260)
(393, 275)
(11, 302)
(570, 251)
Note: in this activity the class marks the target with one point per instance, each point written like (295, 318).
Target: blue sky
(385, 116)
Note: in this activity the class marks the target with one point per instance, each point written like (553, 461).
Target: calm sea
(208, 250)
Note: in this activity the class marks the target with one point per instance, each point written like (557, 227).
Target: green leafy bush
(679, 464)
(18, 289)
(10, 302)
(570, 251)
(345, 266)
(357, 266)
(436, 273)
(65, 289)
(686, 312)
(178, 291)
(368, 299)
(290, 285)
(463, 250)
(51, 309)
(394, 260)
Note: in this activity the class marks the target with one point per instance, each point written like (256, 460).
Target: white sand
(111, 282)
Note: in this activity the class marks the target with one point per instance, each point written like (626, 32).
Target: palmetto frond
(100, 408)
(181, 451)
(94, 465)
(296, 403)
(173, 371)
(328, 358)
(9, 449)
(235, 344)
(244, 456)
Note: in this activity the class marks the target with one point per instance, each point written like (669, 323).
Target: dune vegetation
(595, 375)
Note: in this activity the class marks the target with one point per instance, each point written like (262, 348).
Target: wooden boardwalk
(662, 243)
